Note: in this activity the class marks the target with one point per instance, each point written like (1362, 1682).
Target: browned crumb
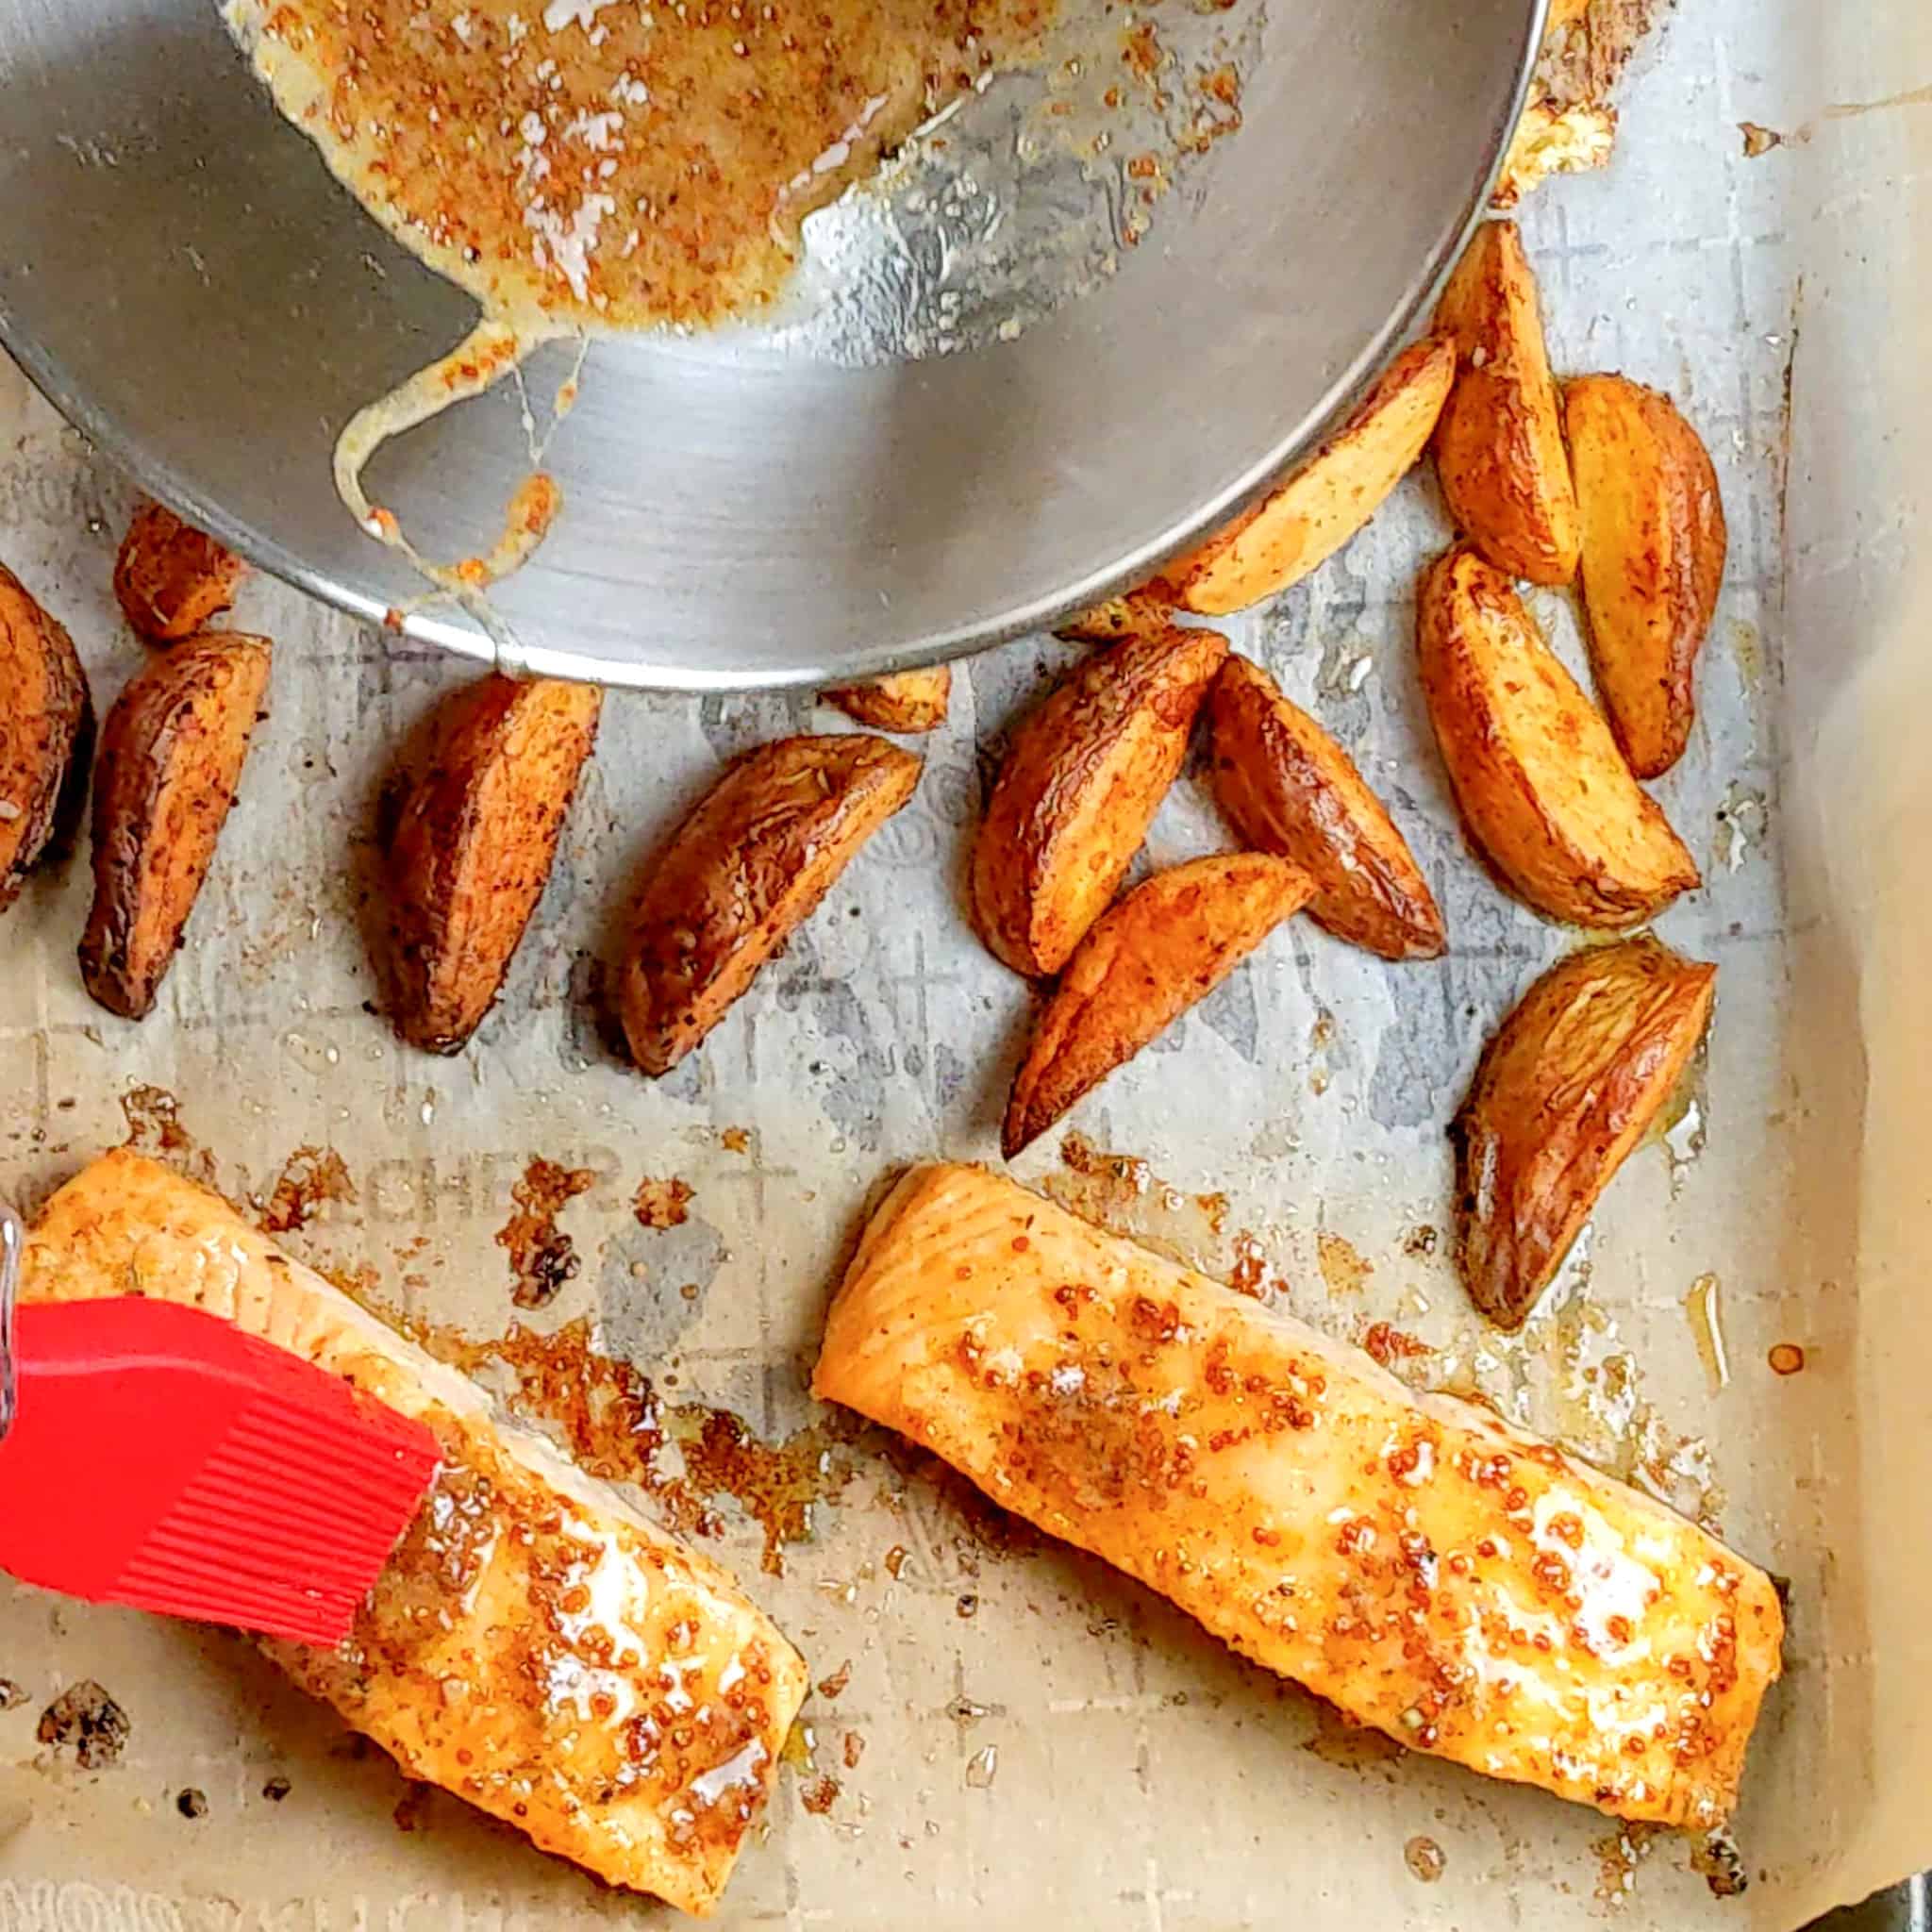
(541, 1256)
(661, 1203)
(310, 1177)
(1389, 1344)
(86, 1720)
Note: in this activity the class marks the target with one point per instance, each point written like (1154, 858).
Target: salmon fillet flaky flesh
(1434, 1572)
(534, 1645)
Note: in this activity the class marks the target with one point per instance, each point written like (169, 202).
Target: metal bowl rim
(428, 625)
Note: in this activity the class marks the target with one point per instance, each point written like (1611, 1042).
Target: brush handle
(12, 1240)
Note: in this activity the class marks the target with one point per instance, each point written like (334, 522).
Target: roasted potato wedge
(908, 702)
(1306, 520)
(748, 865)
(1499, 445)
(1127, 616)
(1286, 787)
(1082, 781)
(1565, 1091)
(1168, 945)
(469, 844)
(172, 752)
(46, 730)
(169, 578)
(1654, 544)
(1544, 792)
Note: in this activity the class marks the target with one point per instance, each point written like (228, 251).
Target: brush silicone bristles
(163, 1458)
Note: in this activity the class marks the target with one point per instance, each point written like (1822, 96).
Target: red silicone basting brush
(155, 1456)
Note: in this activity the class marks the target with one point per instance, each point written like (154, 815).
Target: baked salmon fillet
(535, 1645)
(1434, 1572)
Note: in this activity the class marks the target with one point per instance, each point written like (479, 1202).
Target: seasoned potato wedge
(1082, 781)
(1499, 445)
(908, 701)
(1543, 790)
(470, 845)
(749, 864)
(1286, 787)
(1654, 544)
(46, 730)
(1130, 616)
(169, 578)
(172, 752)
(1306, 520)
(1168, 945)
(1565, 1091)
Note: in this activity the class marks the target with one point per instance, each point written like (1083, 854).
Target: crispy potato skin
(1130, 616)
(1084, 776)
(471, 845)
(1302, 522)
(1286, 787)
(1499, 444)
(1545, 793)
(1654, 544)
(169, 578)
(1566, 1088)
(46, 731)
(172, 753)
(908, 702)
(748, 865)
(1169, 944)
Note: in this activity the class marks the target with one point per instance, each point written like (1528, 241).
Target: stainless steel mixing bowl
(182, 277)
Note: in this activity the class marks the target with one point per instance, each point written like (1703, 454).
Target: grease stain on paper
(687, 1456)
(541, 1256)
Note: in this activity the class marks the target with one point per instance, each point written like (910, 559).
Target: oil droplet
(1742, 820)
(1343, 1268)
(1619, 1855)
(318, 1056)
(1785, 1358)
(1684, 1141)
(1747, 646)
(983, 1767)
(1707, 1326)
(1423, 1857)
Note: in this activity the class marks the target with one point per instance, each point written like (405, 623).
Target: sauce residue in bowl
(609, 164)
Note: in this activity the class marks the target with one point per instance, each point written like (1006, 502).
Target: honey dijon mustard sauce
(490, 351)
(584, 166)
(610, 164)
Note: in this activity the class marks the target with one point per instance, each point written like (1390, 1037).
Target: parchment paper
(1022, 1739)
